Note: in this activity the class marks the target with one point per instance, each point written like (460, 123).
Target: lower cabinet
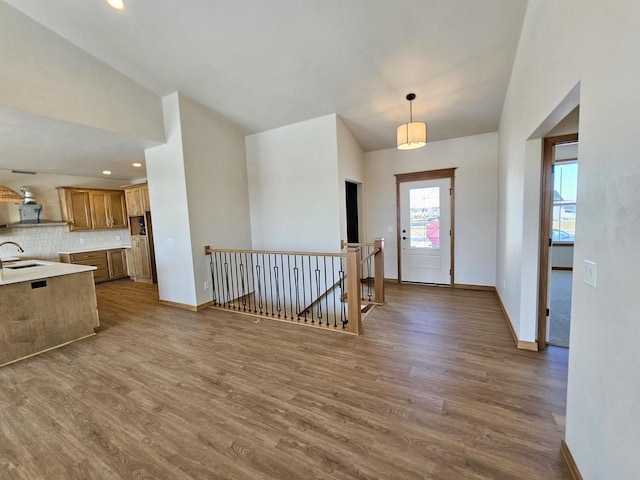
(110, 264)
(140, 259)
(117, 261)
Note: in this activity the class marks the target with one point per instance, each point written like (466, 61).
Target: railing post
(353, 291)
(378, 282)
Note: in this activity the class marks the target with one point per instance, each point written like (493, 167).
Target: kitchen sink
(28, 265)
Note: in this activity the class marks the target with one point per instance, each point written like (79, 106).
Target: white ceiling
(44, 145)
(268, 63)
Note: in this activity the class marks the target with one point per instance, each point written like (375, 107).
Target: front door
(425, 235)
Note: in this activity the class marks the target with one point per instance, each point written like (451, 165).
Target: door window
(424, 211)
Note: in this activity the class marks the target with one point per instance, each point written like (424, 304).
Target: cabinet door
(77, 210)
(117, 263)
(117, 210)
(141, 261)
(146, 204)
(134, 202)
(99, 210)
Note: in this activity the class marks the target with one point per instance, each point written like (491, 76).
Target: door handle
(404, 238)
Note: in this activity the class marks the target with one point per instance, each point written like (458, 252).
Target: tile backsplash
(44, 243)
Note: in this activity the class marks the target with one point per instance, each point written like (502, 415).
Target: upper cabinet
(93, 209)
(137, 197)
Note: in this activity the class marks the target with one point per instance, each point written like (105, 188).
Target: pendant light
(412, 135)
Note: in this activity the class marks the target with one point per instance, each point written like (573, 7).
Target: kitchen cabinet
(140, 265)
(107, 209)
(93, 209)
(76, 210)
(117, 262)
(44, 308)
(137, 199)
(110, 264)
(142, 258)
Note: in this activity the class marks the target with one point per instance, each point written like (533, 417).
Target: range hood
(30, 209)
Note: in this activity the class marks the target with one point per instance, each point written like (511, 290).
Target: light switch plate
(590, 273)
(390, 229)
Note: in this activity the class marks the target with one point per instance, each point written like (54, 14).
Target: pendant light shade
(8, 195)
(413, 134)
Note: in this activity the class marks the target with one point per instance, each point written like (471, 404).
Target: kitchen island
(44, 305)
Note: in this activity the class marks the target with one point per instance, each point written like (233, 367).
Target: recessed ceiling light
(106, 172)
(117, 4)
(137, 165)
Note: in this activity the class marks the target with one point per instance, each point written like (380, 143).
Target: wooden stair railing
(306, 288)
(371, 270)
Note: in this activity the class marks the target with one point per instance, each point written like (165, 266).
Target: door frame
(416, 177)
(546, 206)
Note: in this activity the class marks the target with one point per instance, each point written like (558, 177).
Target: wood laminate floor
(434, 389)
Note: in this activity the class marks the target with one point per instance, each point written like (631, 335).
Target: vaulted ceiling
(264, 64)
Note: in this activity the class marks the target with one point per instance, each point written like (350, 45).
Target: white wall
(562, 256)
(475, 202)
(293, 187)
(593, 44)
(199, 196)
(217, 189)
(170, 211)
(42, 73)
(351, 168)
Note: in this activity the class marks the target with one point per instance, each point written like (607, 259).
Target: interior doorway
(557, 237)
(425, 219)
(351, 194)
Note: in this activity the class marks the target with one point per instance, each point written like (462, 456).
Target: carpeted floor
(560, 317)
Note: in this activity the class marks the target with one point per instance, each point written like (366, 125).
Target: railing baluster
(362, 253)
(326, 289)
(221, 278)
(276, 280)
(369, 278)
(318, 286)
(333, 282)
(264, 288)
(266, 283)
(237, 294)
(244, 297)
(253, 282)
(304, 289)
(259, 287)
(343, 310)
(284, 290)
(311, 289)
(213, 282)
(290, 295)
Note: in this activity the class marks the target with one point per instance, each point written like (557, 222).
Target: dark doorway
(351, 190)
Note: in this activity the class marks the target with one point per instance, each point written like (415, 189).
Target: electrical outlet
(590, 273)
(206, 285)
(390, 229)
(118, 238)
(82, 241)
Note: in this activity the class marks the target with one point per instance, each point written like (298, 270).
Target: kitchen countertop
(44, 269)
(95, 249)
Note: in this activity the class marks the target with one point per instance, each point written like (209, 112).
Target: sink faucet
(20, 249)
